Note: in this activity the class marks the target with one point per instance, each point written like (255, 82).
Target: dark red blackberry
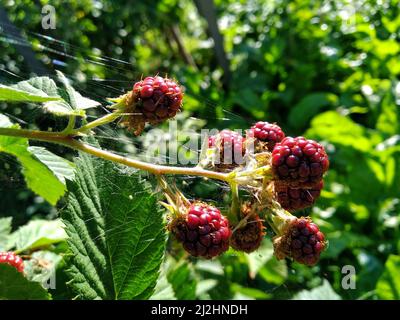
(293, 199)
(299, 162)
(13, 260)
(249, 237)
(266, 135)
(203, 231)
(301, 240)
(152, 100)
(230, 147)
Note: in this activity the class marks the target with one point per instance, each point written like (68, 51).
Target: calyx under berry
(249, 233)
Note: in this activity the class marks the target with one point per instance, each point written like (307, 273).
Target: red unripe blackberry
(302, 241)
(203, 231)
(249, 237)
(299, 162)
(152, 100)
(266, 135)
(158, 98)
(293, 199)
(13, 260)
(230, 146)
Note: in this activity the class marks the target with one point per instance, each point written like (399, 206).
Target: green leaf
(37, 176)
(257, 259)
(62, 108)
(5, 230)
(182, 280)
(339, 130)
(44, 89)
(212, 266)
(274, 271)
(204, 286)
(309, 106)
(116, 232)
(371, 269)
(62, 168)
(339, 241)
(163, 289)
(38, 89)
(5, 122)
(14, 286)
(389, 118)
(37, 234)
(323, 292)
(388, 286)
(73, 104)
(250, 102)
(75, 99)
(246, 293)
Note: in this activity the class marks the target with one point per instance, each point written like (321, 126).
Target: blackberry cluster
(203, 231)
(152, 100)
(230, 146)
(266, 135)
(297, 166)
(302, 241)
(299, 162)
(293, 199)
(13, 260)
(249, 237)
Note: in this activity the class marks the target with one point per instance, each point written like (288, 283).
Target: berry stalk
(98, 122)
(119, 112)
(69, 141)
(234, 212)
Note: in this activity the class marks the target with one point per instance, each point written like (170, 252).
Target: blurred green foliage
(328, 70)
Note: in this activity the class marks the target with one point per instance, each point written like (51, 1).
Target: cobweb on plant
(62, 54)
(113, 138)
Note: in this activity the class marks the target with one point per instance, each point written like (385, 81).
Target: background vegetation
(328, 70)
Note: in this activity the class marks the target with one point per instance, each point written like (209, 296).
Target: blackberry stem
(70, 126)
(278, 218)
(71, 142)
(103, 120)
(234, 212)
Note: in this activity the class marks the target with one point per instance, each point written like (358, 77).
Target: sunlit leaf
(75, 99)
(62, 168)
(323, 292)
(310, 106)
(38, 89)
(388, 286)
(116, 232)
(37, 234)
(5, 230)
(37, 176)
